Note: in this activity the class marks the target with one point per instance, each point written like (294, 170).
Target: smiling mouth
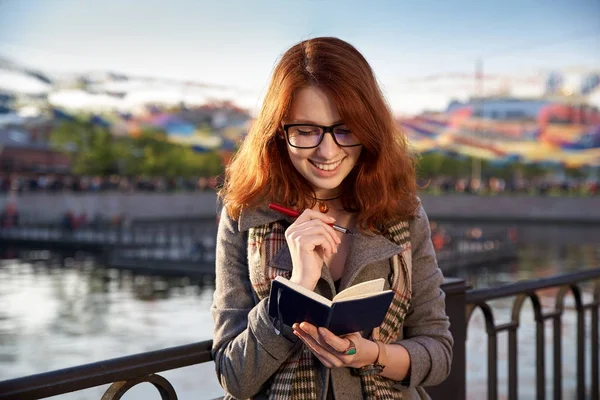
(326, 167)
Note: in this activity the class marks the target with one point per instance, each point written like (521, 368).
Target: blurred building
(552, 129)
(25, 149)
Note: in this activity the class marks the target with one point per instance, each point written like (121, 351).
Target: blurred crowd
(47, 183)
(41, 183)
(9, 216)
(495, 185)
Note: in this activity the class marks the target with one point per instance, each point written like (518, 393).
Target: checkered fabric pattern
(296, 378)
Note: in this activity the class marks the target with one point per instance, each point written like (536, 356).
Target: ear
(280, 133)
(279, 139)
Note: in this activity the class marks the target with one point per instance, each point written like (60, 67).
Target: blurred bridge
(187, 247)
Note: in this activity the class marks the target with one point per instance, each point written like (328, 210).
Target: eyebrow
(307, 121)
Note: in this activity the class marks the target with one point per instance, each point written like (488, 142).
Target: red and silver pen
(296, 214)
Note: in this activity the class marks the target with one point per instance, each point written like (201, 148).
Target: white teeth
(327, 167)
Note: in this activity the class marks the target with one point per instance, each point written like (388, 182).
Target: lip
(323, 173)
(326, 163)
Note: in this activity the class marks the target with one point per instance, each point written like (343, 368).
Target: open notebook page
(360, 290)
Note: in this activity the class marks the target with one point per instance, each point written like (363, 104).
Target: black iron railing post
(455, 290)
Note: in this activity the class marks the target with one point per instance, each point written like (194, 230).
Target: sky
(237, 43)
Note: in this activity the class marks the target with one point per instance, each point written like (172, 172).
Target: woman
(325, 143)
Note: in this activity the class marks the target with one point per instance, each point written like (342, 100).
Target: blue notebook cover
(289, 305)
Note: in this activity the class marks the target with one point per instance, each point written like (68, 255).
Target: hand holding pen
(296, 214)
(312, 241)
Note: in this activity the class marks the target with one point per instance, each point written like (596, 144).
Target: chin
(328, 185)
(324, 183)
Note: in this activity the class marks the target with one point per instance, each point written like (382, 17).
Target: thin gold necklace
(323, 207)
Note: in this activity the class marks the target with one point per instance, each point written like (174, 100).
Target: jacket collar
(366, 247)
(259, 215)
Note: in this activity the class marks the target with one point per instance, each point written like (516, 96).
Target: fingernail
(331, 218)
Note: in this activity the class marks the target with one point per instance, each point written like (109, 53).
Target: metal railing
(126, 372)
(527, 290)
(461, 303)
(122, 372)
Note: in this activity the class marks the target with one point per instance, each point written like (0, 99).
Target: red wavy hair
(382, 186)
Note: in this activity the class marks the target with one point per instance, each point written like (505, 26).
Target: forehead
(312, 104)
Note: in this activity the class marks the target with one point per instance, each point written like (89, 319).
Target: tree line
(94, 150)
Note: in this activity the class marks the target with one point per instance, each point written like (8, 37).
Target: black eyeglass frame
(326, 129)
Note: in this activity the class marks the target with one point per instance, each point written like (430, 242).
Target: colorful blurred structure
(550, 120)
(505, 129)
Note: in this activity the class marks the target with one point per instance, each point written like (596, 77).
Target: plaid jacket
(247, 351)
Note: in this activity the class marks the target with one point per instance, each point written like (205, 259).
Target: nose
(328, 147)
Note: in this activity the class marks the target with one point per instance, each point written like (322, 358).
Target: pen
(296, 214)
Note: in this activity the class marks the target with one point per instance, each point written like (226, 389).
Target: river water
(58, 313)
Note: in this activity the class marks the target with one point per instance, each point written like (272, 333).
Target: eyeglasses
(309, 136)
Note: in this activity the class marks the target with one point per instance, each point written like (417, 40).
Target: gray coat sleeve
(246, 349)
(427, 336)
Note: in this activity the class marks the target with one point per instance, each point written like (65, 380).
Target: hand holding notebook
(357, 308)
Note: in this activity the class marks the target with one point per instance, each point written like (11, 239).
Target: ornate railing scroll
(118, 389)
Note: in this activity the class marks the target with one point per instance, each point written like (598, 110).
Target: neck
(327, 198)
(327, 195)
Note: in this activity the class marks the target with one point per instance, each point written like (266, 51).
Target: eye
(305, 131)
(342, 130)
(301, 132)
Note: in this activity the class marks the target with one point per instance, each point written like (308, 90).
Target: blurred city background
(117, 119)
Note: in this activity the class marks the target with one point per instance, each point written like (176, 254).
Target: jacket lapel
(257, 216)
(282, 260)
(365, 249)
(262, 215)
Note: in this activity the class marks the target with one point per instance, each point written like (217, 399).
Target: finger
(314, 333)
(299, 227)
(309, 214)
(323, 360)
(327, 226)
(327, 358)
(308, 239)
(333, 356)
(310, 330)
(321, 231)
(338, 343)
(315, 243)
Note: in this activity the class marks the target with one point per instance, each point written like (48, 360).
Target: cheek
(354, 154)
(296, 157)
